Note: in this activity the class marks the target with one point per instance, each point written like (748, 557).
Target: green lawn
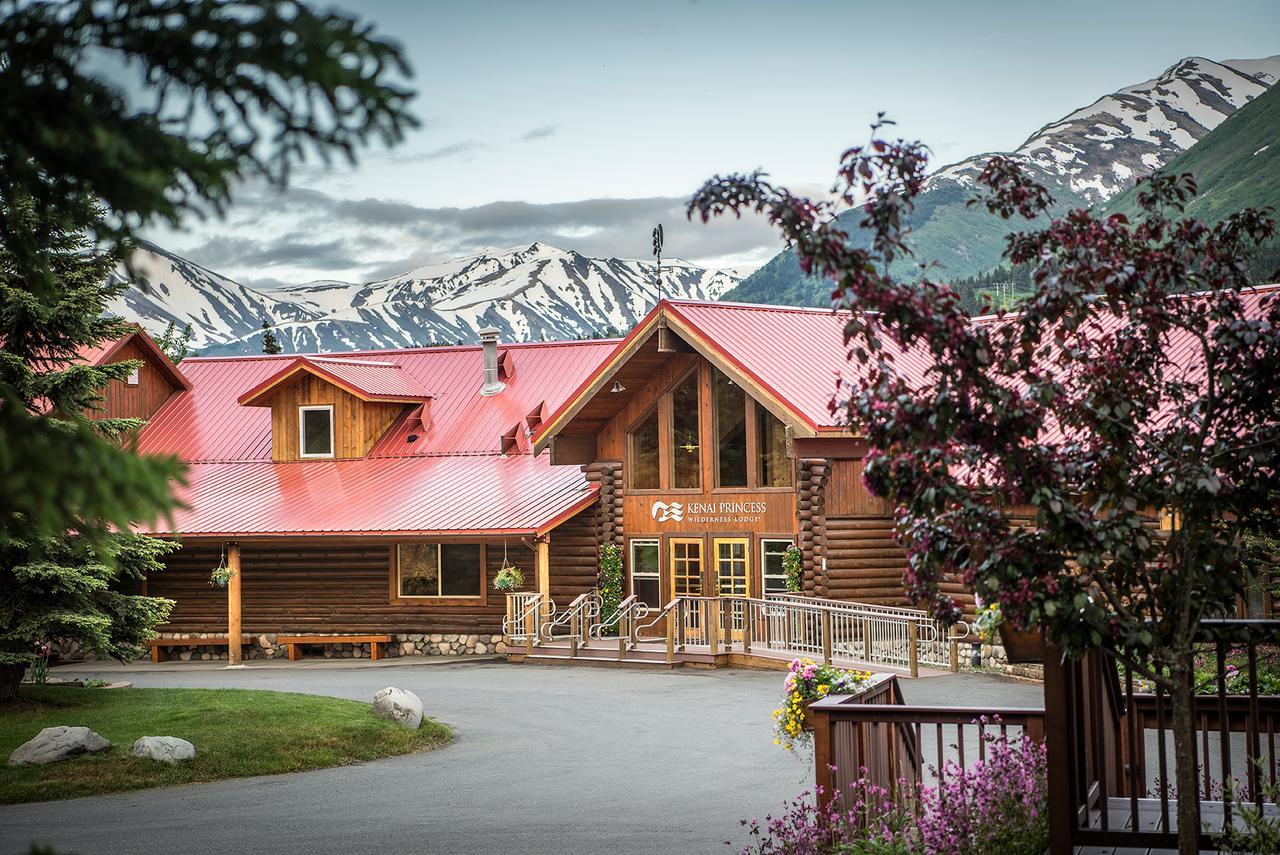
(236, 732)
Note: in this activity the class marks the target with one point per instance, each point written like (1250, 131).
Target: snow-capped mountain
(1084, 158)
(529, 293)
(1100, 150)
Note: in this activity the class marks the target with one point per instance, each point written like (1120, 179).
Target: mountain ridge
(1084, 157)
(530, 292)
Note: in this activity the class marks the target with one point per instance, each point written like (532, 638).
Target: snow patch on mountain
(529, 293)
(1099, 150)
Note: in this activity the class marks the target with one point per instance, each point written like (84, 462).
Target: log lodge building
(377, 494)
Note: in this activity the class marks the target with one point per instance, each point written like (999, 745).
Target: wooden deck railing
(879, 739)
(1112, 766)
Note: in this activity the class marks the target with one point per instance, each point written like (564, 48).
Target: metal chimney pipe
(492, 385)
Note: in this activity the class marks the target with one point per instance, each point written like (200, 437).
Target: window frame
(654, 541)
(667, 432)
(438, 599)
(303, 409)
(135, 376)
(765, 540)
(654, 412)
(748, 434)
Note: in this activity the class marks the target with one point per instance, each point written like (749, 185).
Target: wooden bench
(158, 655)
(292, 643)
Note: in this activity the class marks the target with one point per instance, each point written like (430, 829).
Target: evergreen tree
(176, 343)
(62, 570)
(270, 345)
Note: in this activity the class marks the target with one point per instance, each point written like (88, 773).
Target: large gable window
(315, 427)
(440, 569)
(644, 454)
(686, 453)
(731, 432)
(771, 450)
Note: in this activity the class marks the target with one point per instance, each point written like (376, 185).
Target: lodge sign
(709, 512)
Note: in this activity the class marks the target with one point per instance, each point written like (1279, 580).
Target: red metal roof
(518, 494)
(452, 479)
(208, 424)
(367, 379)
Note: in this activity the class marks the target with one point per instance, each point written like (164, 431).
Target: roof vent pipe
(492, 385)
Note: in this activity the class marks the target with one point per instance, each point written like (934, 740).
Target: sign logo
(663, 512)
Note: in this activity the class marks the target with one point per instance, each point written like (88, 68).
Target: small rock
(166, 749)
(398, 705)
(480, 648)
(406, 648)
(58, 743)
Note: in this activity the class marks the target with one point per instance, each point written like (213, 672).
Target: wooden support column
(913, 652)
(542, 569)
(233, 604)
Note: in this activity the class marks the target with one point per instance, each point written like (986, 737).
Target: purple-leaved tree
(1141, 375)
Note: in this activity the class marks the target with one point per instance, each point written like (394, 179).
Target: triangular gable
(366, 380)
(716, 352)
(104, 353)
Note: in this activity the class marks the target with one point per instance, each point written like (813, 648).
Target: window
(686, 567)
(771, 450)
(315, 424)
(771, 555)
(731, 432)
(644, 454)
(440, 569)
(644, 572)
(686, 451)
(134, 379)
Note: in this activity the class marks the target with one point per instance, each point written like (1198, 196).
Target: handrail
(577, 616)
(515, 625)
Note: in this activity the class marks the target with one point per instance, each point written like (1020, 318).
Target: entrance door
(733, 579)
(733, 566)
(686, 581)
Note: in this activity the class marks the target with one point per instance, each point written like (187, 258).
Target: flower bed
(996, 805)
(806, 682)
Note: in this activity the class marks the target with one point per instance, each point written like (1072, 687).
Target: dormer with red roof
(147, 388)
(335, 407)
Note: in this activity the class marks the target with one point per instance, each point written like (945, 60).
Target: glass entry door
(733, 579)
(733, 566)
(686, 581)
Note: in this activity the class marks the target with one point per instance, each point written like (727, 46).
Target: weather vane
(657, 253)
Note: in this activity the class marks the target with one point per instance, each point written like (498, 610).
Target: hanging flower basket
(508, 579)
(1022, 646)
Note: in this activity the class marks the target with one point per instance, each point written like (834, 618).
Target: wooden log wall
(575, 557)
(608, 474)
(319, 588)
(813, 475)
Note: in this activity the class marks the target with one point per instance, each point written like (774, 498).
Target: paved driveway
(547, 760)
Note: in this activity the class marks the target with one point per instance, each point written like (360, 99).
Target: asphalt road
(547, 760)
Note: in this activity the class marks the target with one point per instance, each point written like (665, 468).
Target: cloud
(366, 239)
(457, 149)
(537, 133)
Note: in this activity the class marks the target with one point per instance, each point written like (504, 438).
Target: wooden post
(913, 651)
(955, 655)
(826, 636)
(1058, 746)
(866, 640)
(530, 626)
(233, 604)
(542, 569)
(671, 636)
(712, 623)
(746, 627)
(824, 779)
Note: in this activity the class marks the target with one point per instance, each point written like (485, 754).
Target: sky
(582, 124)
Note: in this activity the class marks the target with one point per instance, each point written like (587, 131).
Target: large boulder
(58, 743)
(166, 749)
(398, 705)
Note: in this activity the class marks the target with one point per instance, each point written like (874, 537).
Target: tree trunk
(10, 680)
(1182, 700)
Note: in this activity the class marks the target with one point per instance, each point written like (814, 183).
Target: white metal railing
(575, 622)
(780, 625)
(524, 609)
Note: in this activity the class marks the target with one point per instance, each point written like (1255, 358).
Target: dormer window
(133, 379)
(315, 425)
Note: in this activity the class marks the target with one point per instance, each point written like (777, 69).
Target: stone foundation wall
(265, 646)
(993, 657)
